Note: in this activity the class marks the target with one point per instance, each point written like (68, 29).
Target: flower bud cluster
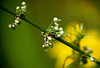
(88, 50)
(48, 38)
(19, 14)
(54, 30)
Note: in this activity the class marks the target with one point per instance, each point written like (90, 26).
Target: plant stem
(59, 39)
(50, 25)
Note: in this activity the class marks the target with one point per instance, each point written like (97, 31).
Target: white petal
(49, 38)
(42, 45)
(56, 28)
(16, 21)
(17, 7)
(55, 19)
(58, 35)
(91, 59)
(61, 32)
(60, 28)
(10, 26)
(23, 3)
(13, 25)
(56, 24)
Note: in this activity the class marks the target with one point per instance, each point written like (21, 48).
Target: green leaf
(64, 34)
(84, 29)
(81, 27)
(59, 20)
(51, 46)
(87, 36)
(74, 27)
(46, 50)
(53, 39)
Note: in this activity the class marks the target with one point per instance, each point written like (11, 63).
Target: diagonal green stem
(59, 39)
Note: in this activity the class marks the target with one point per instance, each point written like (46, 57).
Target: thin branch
(59, 39)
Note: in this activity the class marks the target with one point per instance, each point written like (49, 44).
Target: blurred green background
(22, 48)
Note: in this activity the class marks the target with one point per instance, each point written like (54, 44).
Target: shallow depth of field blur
(22, 48)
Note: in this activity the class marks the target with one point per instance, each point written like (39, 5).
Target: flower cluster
(89, 51)
(54, 30)
(19, 14)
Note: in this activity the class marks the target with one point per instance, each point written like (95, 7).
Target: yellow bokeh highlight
(60, 51)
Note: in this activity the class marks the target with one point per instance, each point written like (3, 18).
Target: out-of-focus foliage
(61, 51)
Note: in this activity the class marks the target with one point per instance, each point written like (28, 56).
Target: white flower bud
(51, 26)
(58, 35)
(49, 38)
(56, 24)
(44, 35)
(42, 45)
(60, 28)
(13, 25)
(56, 28)
(61, 32)
(50, 43)
(23, 3)
(16, 21)
(55, 19)
(89, 50)
(17, 7)
(22, 7)
(10, 26)
(91, 59)
(18, 18)
(47, 45)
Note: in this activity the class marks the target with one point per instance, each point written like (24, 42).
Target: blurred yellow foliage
(61, 51)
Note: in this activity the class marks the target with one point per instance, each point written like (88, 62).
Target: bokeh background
(22, 48)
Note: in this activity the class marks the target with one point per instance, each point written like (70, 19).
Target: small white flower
(44, 38)
(42, 45)
(49, 38)
(91, 58)
(55, 19)
(46, 42)
(61, 32)
(17, 18)
(23, 3)
(16, 21)
(22, 7)
(56, 24)
(13, 25)
(51, 26)
(56, 28)
(42, 33)
(10, 26)
(17, 7)
(60, 28)
(50, 43)
(47, 45)
(58, 35)
(89, 49)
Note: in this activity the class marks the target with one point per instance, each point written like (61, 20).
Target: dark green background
(22, 48)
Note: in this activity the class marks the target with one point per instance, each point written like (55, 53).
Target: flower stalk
(59, 39)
